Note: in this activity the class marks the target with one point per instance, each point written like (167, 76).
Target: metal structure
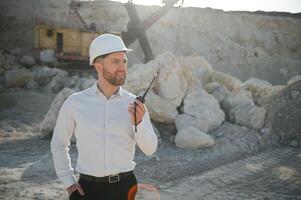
(135, 28)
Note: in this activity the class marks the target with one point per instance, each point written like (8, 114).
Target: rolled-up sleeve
(60, 143)
(145, 137)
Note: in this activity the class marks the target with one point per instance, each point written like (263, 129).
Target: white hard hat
(105, 44)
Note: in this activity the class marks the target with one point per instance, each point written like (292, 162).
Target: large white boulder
(11, 62)
(80, 83)
(232, 83)
(257, 87)
(203, 106)
(271, 91)
(48, 123)
(235, 98)
(255, 84)
(140, 75)
(217, 90)
(58, 82)
(43, 74)
(17, 77)
(172, 84)
(74, 80)
(184, 121)
(247, 114)
(191, 138)
(196, 69)
(87, 82)
(28, 61)
(160, 110)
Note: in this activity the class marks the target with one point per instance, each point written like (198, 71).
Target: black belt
(106, 179)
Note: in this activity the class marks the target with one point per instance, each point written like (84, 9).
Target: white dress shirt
(105, 135)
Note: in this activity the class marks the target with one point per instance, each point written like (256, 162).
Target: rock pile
(188, 93)
(197, 99)
(17, 71)
(194, 97)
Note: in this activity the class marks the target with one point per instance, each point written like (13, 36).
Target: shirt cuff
(69, 180)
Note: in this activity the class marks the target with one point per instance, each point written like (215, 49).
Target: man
(102, 119)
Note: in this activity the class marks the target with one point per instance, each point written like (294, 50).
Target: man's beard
(114, 79)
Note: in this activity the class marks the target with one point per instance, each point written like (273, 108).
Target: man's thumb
(80, 190)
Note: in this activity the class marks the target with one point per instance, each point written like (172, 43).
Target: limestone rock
(48, 123)
(160, 110)
(87, 82)
(294, 79)
(247, 114)
(73, 81)
(10, 61)
(184, 121)
(233, 99)
(211, 87)
(232, 83)
(192, 138)
(172, 84)
(203, 106)
(255, 84)
(58, 82)
(17, 78)
(79, 84)
(217, 90)
(28, 61)
(257, 87)
(196, 69)
(43, 74)
(140, 75)
(273, 90)
(32, 85)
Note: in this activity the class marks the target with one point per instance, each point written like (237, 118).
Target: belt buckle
(114, 178)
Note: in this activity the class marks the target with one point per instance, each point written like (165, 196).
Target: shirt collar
(96, 91)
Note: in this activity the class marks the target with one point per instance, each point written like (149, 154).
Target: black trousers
(125, 189)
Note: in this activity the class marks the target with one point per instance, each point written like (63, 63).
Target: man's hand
(75, 187)
(139, 111)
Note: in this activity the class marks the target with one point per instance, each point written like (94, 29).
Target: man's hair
(102, 57)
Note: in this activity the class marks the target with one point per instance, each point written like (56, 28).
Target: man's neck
(107, 89)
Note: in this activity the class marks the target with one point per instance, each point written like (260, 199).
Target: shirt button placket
(106, 139)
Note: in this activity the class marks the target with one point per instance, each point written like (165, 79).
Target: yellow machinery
(69, 43)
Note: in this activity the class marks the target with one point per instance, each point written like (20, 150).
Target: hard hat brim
(105, 53)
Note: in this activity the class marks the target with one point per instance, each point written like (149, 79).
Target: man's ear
(98, 66)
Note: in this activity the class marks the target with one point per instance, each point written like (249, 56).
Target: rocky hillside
(243, 44)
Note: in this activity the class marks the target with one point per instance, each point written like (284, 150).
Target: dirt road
(26, 172)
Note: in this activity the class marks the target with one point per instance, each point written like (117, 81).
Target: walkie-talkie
(142, 99)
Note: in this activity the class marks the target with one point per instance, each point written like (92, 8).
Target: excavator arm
(135, 28)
